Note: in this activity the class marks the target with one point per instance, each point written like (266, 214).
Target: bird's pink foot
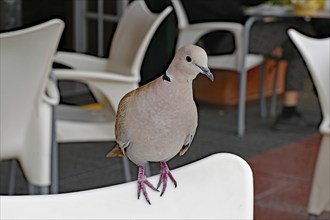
(164, 174)
(142, 182)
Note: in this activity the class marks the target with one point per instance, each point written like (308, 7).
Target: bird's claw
(164, 174)
(142, 182)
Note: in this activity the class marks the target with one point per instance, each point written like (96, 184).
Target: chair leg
(243, 75)
(319, 197)
(127, 170)
(263, 108)
(44, 190)
(54, 187)
(12, 177)
(32, 190)
(241, 104)
(312, 217)
(274, 92)
(37, 190)
(147, 170)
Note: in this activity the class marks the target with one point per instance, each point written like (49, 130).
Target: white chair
(316, 53)
(191, 33)
(109, 79)
(217, 187)
(27, 97)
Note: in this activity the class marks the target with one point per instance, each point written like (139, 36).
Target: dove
(157, 121)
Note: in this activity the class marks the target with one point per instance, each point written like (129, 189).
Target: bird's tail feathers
(116, 152)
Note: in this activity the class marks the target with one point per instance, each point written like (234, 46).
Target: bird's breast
(160, 131)
(158, 122)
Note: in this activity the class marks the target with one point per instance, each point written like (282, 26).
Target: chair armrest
(81, 61)
(192, 33)
(51, 95)
(88, 76)
(107, 85)
(216, 26)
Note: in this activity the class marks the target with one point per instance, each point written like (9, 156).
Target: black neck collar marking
(166, 77)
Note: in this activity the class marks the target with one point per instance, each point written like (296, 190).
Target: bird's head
(188, 62)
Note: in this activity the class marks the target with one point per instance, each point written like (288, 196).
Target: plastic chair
(191, 33)
(217, 187)
(109, 79)
(27, 98)
(316, 53)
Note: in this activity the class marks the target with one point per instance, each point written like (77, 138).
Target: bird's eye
(188, 58)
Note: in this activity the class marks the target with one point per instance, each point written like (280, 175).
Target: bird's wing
(186, 144)
(122, 138)
(120, 131)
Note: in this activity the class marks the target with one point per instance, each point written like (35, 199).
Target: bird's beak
(206, 71)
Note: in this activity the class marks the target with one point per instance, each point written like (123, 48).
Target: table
(265, 13)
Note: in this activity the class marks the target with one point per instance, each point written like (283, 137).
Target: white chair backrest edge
(318, 65)
(131, 60)
(137, 63)
(235, 28)
(96, 202)
(180, 13)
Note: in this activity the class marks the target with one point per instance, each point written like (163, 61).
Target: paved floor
(282, 162)
(282, 183)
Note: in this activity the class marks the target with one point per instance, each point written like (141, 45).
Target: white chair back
(132, 37)
(316, 53)
(192, 33)
(187, 36)
(217, 187)
(26, 57)
(180, 13)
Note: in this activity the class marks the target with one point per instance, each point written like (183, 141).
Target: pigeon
(157, 121)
